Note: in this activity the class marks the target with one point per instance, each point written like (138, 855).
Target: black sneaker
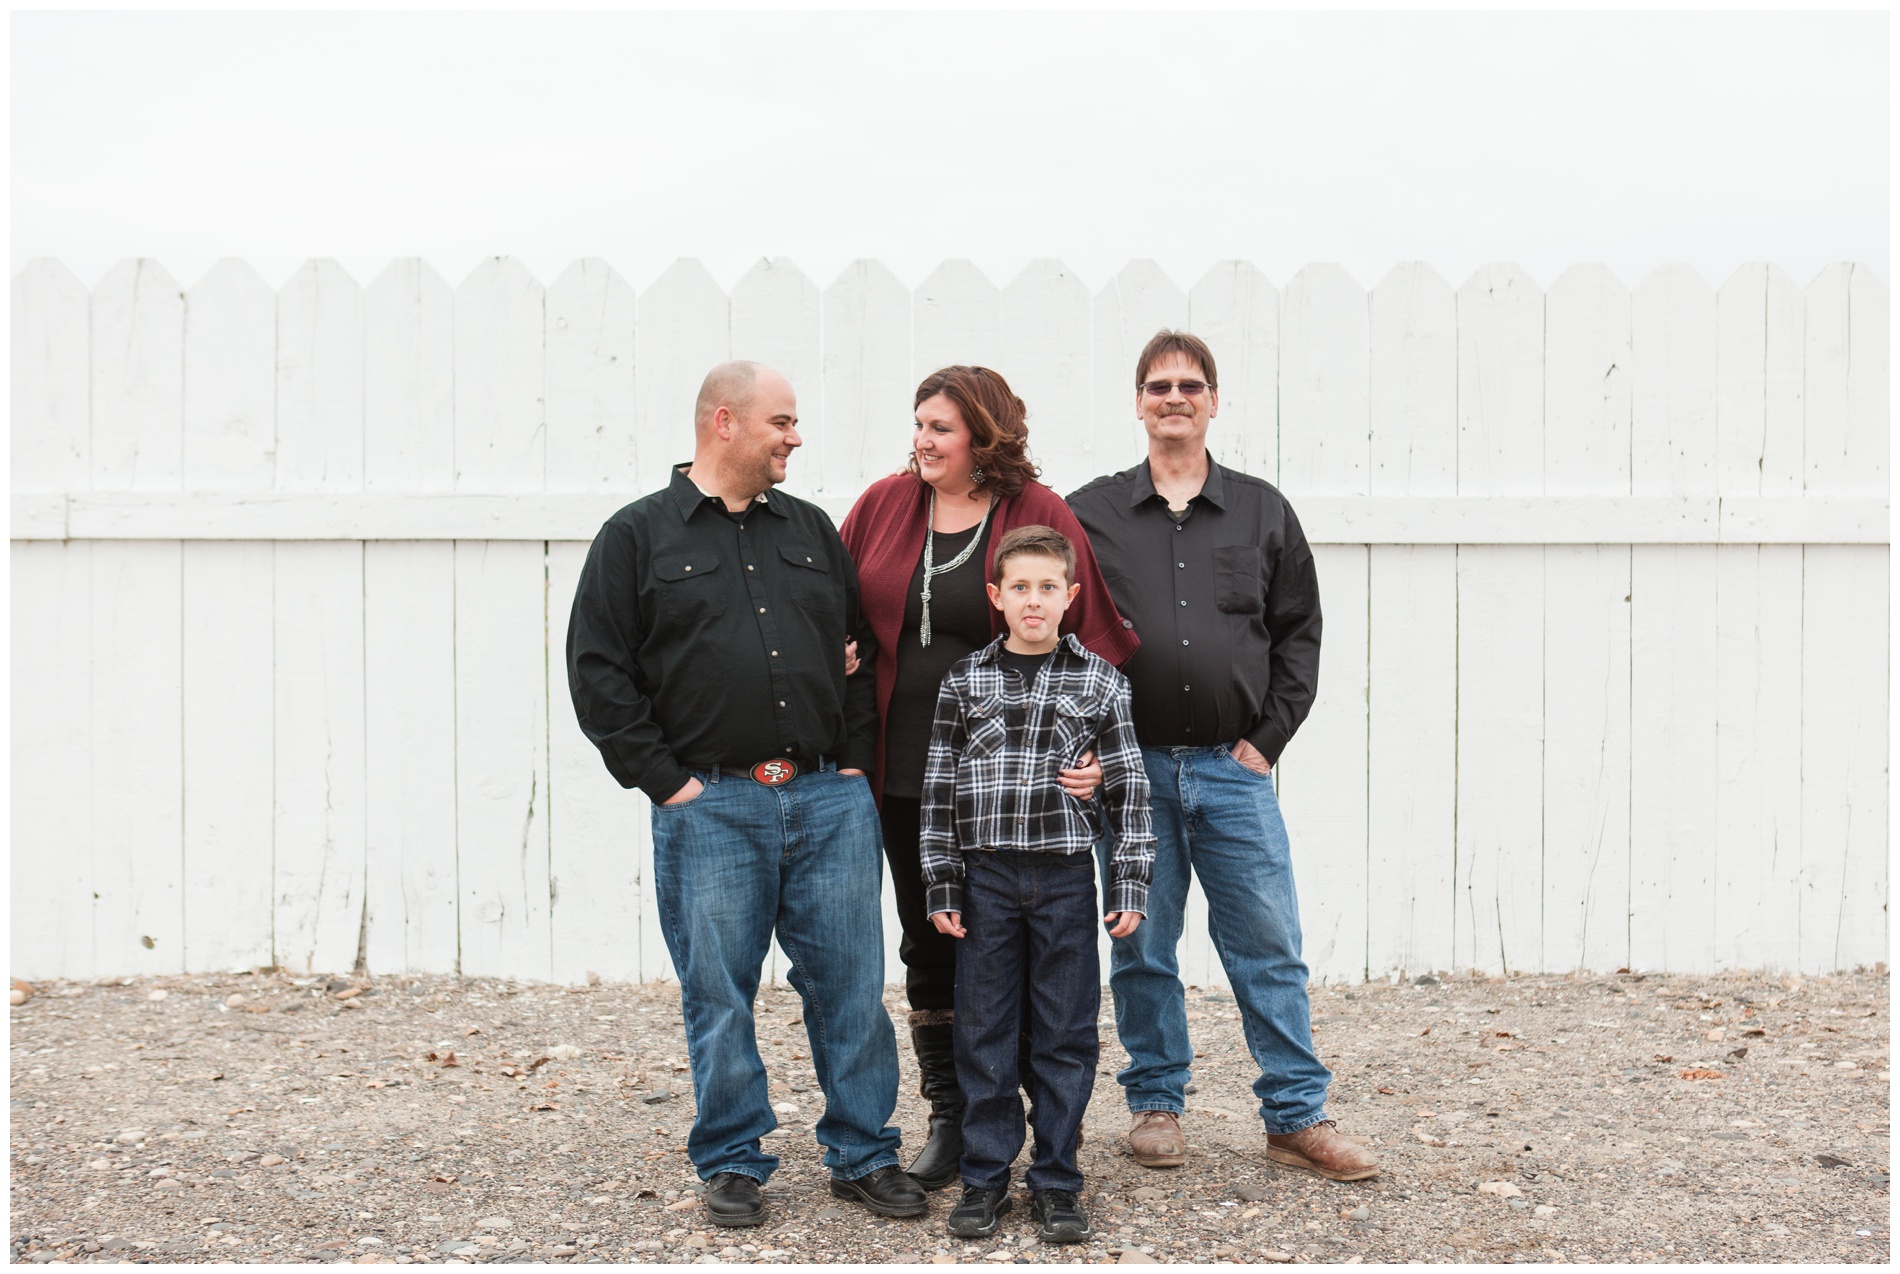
(979, 1212)
(1062, 1217)
(888, 1192)
(732, 1199)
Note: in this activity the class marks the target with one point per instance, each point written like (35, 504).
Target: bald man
(706, 656)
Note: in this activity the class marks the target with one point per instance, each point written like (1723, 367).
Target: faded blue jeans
(1216, 819)
(729, 866)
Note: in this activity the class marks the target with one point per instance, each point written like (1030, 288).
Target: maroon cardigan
(885, 535)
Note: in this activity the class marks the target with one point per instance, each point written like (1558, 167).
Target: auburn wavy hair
(997, 420)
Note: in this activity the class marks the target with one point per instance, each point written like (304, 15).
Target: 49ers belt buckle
(774, 773)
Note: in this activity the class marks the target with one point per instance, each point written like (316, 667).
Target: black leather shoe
(1062, 1218)
(888, 1192)
(732, 1198)
(979, 1212)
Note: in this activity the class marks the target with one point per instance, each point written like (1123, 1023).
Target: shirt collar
(1213, 488)
(993, 652)
(688, 495)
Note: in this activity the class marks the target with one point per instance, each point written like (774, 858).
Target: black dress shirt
(1225, 600)
(700, 638)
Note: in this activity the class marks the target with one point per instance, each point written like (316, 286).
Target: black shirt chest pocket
(690, 587)
(809, 580)
(1240, 586)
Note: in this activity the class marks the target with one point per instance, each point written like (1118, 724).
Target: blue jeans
(1215, 818)
(1033, 912)
(732, 864)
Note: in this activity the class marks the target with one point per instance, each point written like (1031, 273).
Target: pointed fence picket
(1045, 356)
(1325, 411)
(1604, 572)
(409, 629)
(1412, 651)
(1672, 628)
(1586, 701)
(1497, 913)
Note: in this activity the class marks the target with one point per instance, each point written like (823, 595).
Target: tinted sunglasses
(1162, 388)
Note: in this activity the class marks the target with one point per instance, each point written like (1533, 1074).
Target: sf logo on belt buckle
(774, 773)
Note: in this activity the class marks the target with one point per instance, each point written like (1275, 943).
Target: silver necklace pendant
(930, 557)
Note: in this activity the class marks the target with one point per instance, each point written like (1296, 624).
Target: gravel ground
(267, 1118)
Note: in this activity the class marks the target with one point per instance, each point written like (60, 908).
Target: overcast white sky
(1282, 138)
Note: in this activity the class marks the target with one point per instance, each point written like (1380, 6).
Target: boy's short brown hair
(1167, 342)
(1043, 541)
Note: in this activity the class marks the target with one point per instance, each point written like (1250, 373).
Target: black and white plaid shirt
(990, 781)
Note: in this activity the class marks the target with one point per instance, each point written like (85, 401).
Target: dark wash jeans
(730, 866)
(1033, 913)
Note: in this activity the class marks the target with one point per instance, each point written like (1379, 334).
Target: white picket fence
(1605, 578)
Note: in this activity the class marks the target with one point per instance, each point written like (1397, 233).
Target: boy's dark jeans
(1034, 913)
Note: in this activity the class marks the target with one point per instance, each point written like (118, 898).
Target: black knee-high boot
(937, 1165)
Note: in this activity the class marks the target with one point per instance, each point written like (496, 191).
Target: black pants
(930, 958)
(1027, 912)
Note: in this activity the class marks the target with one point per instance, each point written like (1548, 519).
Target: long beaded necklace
(930, 556)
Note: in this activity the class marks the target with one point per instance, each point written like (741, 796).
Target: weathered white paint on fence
(1324, 409)
(1045, 332)
(1605, 682)
(1760, 331)
(1497, 922)
(1586, 767)
(867, 378)
(1236, 310)
(1411, 758)
(1844, 638)
(1672, 628)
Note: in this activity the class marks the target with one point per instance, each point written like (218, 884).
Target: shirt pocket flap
(679, 566)
(1072, 706)
(984, 709)
(804, 557)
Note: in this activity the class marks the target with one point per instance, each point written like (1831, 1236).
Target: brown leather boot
(1323, 1150)
(1156, 1140)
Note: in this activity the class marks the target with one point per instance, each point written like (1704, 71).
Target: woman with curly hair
(924, 540)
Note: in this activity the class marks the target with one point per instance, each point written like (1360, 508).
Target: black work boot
(936, 1164)
(732, 1198)
(888, 1192)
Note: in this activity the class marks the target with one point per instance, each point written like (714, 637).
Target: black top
(959, 625)
(1024, 666)
(1225, 601)
(702, 639)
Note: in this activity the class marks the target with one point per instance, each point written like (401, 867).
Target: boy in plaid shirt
(1008, 868)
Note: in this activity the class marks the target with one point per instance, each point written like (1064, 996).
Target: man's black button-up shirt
(699, 638)
(1225, 600)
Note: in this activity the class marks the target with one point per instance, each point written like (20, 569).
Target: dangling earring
(977, 476)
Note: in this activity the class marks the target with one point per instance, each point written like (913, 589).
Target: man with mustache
(1213, 570)
(706, 657)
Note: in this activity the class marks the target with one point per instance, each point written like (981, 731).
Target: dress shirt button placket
(755, 588)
